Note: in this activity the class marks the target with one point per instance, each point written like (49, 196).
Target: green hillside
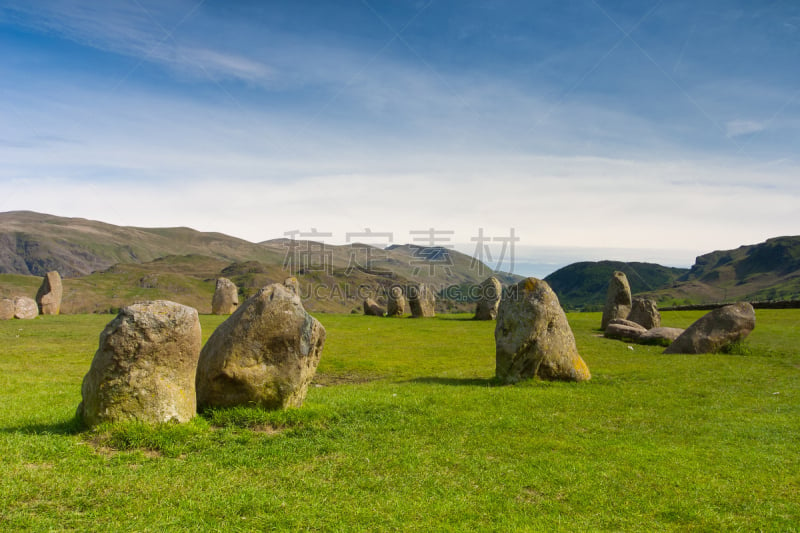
(583, 285)
(764, 271)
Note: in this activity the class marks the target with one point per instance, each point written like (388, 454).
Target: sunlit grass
(405, 429)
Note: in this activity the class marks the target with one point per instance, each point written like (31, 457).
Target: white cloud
(132, 29)
(735, 128)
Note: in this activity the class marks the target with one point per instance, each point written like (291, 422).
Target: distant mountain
(583, 285)
(764, 271)
(34, 243)
(106, 266)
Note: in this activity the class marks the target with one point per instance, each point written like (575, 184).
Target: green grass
(405, 429)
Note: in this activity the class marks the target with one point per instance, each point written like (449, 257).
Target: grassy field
(405, 429)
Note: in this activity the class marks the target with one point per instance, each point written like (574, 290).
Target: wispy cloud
(131, 29)
(338, 132)
(736, 128)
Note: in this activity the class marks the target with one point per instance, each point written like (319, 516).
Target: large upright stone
(48, 298)
(422, 301)
(144, 368)
(716, 330)
(396, 302)
(226, 297)
(618, 299)
(490, 292)
(644, 312)
(6, 309)
(25, 308)
(265, 353)
(533, 337)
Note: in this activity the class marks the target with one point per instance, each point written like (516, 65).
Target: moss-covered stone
(533, 337)
(265, 354)
(144, 368)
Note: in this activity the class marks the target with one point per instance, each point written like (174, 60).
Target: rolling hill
(583, 285)
(106, 266)
(756, 272)
(766, 271)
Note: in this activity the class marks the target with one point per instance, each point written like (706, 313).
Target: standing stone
(716, 330)
(422, 301)
(371, 308)
(144, 368)
(226, 297)
(488, 299)
(264, 354)
(618, 299)
(25, 308)
(396, 305)
(49, 296)
(533, 337)
(6, 309)
(644, 312)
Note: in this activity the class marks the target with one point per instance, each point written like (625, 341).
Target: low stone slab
(716, 330)
(371, 308)
(660, 335)
(628, 323)
(622, 331)
(6, 309)
(25, 308)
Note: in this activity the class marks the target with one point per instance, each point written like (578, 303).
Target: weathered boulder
(396, 304)
(265, 353)
(617, 330)
(371, 308)
(48, 298)
(618, 299)
(25, 308)
(490, 292)
(6, 309)
(422, 301)
(716, 330)
(145, 366)
(226, 297)
(660, 335)
(533, 337)
(644, 312)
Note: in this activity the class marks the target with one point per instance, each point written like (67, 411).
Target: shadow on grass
(72, 426)
(469, 382)
(458, 318)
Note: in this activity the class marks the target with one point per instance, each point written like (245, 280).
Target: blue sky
(654, 130)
